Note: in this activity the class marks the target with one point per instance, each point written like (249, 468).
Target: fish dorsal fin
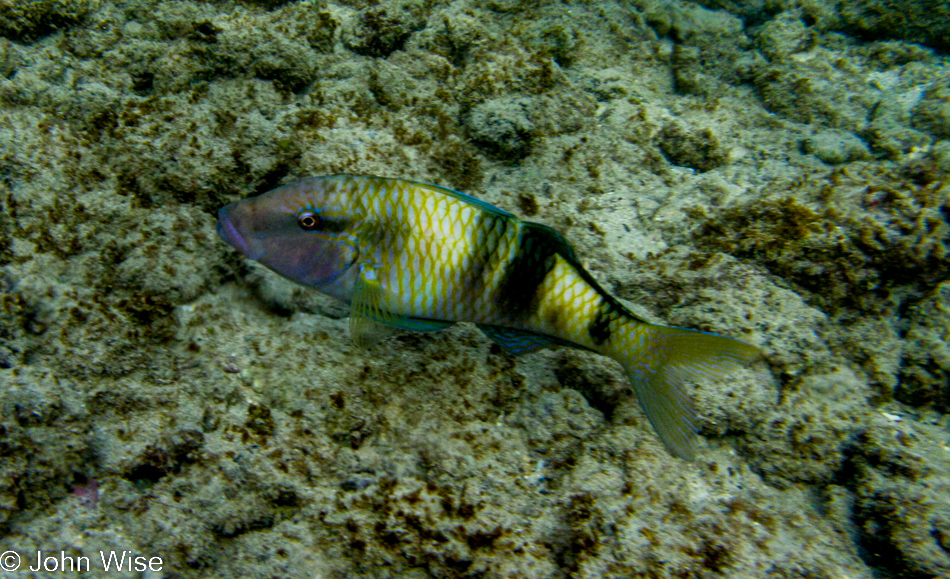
(516, 342)
(541, 234)
(544, 236)
(484, 205)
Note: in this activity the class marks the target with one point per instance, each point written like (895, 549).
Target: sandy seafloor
(775, 171)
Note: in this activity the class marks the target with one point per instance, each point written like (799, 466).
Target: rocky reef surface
(773, 170)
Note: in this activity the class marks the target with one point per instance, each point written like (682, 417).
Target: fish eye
(308, 221)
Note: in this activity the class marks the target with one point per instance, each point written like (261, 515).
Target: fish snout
(229, 231)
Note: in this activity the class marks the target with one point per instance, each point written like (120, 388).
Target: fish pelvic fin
(660, 361)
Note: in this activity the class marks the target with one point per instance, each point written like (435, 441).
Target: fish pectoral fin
(370, 321)
(517, 342)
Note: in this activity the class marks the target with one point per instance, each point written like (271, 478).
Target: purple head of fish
(263, 229)
(228, 231)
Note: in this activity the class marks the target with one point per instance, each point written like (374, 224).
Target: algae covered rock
(380, 31)
(925, 377)
(503, 127)
(784, 35)
(836, 147)
(682, 147)
(687, 21)
(860, 236)
(901, 499)
(24, 21)
(923, 21)
(932, 113)
(696, 148)
(807, 91)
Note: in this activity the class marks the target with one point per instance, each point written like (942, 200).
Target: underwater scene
(475, 288)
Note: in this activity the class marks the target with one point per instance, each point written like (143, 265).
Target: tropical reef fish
(421, 257)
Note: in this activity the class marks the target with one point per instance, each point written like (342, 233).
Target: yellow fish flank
(421, 257)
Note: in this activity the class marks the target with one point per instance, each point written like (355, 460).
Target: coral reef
(776, 171)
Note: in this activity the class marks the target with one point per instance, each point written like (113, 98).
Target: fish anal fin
(517, 342)
(420, 324)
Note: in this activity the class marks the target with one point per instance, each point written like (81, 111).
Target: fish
(422, 257)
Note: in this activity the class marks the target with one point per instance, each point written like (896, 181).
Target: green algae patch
(863, 241)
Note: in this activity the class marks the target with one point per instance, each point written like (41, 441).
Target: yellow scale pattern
(441, 257)
(429, 244)
(567, 305)
(437, 255)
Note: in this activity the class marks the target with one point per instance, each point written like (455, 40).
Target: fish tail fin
(660, 360)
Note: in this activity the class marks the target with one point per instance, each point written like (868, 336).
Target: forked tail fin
(659, 360)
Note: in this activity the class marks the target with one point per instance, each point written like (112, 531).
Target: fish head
(300, 231)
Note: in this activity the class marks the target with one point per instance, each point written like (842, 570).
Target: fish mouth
(230, 234)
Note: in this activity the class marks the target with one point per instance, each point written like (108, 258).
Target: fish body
(421, 257)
